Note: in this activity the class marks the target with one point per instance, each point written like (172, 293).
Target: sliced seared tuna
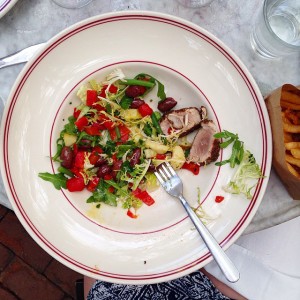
(184, 120)
(205, 148)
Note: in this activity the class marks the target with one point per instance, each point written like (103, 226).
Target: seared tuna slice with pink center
(183, 120)
(205, 148)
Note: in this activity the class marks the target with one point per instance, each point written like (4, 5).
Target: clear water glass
(72, 3)
(194, 3)
(276, 32)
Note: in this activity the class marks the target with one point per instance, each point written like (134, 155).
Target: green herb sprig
(58, 180)
(237, 148)
(243, 180)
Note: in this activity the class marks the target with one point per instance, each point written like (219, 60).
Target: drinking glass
(194, 3)
(72, 3)
(276, 32)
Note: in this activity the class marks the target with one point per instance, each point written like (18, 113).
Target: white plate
(5, 6)
(197, 69)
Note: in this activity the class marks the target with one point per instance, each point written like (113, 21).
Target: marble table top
(32, 21)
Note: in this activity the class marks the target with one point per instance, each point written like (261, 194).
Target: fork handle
(226, 265)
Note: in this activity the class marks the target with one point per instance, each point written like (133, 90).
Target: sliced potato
(178, 158)
(69, 139)
(132, 114)
(157, 147)
(149, 153)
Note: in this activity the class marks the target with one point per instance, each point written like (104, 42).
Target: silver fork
(171, 182)
(20, 57)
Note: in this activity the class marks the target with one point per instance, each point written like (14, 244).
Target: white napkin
(276, 207)
(268, 261)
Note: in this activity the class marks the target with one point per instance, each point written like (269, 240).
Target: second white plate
(5, 6)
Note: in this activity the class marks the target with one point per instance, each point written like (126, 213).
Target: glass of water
(276, 32)
(72, 3)
(194, 3)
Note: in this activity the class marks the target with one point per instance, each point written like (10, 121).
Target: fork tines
(164, 172)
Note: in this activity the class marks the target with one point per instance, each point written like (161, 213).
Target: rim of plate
(5, 6)
(248, 80)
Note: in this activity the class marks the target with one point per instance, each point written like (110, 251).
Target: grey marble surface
(34, 21)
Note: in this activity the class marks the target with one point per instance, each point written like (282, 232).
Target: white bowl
(197, 69)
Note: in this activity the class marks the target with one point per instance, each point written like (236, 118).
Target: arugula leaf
(147, 129)
(227, 143)
(155, 122)
(126, 102)
(70, 127)
(136, 81)
(108, 108)
(235, 156)
(110, 147)
(237, 148)
(65, 171)
(160, 87)
(103, 195)
(222, 163)
(187, 152)
(225, 135)
(58, 180)
(161, 91)
(85, 136)
(121, 191)
(111, 199)
(122, 149)
(59, 146)
(126, 167)
(248, 171)
(91, 199)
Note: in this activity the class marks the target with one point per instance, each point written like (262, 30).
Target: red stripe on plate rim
(4, 4)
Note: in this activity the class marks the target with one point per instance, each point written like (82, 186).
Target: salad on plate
(114, 140)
